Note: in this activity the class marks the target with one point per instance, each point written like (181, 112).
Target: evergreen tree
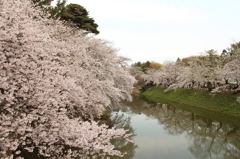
(76, 15)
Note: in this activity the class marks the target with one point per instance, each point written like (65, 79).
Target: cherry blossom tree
(54, 81)
(208, 68)
(230, 69)
(137, 73)
(187, 78)
(201, 70)
(166, 75)
(232, 66)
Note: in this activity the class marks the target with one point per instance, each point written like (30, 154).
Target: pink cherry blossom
(54, 81)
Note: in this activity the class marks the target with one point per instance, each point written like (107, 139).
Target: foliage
(75, 15)
(155, 65)
(144, 66)
(147, 65)
(44, 5)
(54, 81)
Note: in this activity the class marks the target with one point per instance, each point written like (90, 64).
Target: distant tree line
(210, 70)
(144, 66)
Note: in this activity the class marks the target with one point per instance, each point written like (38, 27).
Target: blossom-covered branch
(54, 81)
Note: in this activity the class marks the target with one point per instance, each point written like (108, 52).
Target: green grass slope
(222, 102)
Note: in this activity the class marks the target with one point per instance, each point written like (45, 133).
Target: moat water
(172, 131)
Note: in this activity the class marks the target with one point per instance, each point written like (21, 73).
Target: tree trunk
(209, 86)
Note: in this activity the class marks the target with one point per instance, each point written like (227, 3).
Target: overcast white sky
(163, 30)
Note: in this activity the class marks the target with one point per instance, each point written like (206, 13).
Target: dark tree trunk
(209, 86)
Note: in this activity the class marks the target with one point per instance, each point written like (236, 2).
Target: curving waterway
(173, 131)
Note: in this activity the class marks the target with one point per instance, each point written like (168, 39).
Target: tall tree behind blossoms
(74, 15)
(53, 82)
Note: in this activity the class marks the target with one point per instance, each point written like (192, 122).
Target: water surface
(172, 131)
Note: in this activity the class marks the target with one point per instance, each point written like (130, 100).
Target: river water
(172, 131)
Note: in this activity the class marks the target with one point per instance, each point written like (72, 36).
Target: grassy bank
(222, 102)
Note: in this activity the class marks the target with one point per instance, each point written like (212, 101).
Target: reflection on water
(123, 121)
(163, 131)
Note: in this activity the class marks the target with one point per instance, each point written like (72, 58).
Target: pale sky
(163, 30)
